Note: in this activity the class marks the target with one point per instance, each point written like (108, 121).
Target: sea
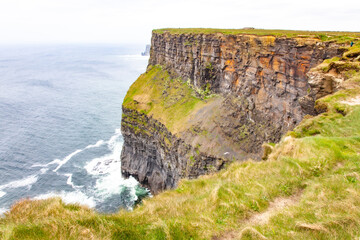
(60, 116)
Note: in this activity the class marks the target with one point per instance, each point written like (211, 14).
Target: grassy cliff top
(322, 35)
(168, 100)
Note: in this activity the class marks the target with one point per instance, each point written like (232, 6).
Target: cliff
(162, 159)
(308, 188)
(211, 98)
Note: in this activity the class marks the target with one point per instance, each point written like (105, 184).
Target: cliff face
(269, 72)
(156, 157)
(231, 94)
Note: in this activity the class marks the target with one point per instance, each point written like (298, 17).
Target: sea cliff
(308, 187)
(211, 98)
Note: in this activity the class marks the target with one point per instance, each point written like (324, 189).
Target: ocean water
(60, 113)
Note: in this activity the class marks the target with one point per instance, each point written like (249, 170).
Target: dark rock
(157, 158)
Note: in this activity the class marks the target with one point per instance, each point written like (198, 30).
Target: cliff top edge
(322, 35)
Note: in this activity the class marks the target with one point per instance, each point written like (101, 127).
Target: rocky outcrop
(261, 91)
(330, 77)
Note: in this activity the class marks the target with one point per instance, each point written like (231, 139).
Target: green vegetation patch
(166, 99)
(339, 121)
(353, 51)
(29, 232)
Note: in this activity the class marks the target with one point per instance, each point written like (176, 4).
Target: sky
(131, 21)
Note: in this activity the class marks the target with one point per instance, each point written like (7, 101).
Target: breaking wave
(25, 182)
(106, 170)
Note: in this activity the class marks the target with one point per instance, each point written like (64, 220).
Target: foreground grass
(319, 163)
(322, 35)
(324, 168)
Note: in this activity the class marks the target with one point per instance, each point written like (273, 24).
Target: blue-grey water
(60, 113)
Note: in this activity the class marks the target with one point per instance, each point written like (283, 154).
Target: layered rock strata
(269, 72)
(261, 91)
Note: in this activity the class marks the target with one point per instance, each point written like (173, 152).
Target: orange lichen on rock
(229, 65)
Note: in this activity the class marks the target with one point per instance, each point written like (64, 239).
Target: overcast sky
(131, 21)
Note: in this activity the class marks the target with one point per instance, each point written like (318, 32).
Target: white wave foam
(97, 144)
(101, 165)
(43, 170)
(107, 168)
(60, 163)
(114, 183)
(114, 140)
(66, 159)
(69, 180)
(70, 197)
(21, 183)
(107, 163)
(56, 161)
(2, 194)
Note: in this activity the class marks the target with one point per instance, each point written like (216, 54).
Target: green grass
(354, 51)
(322, 35)
(332, 123)
(166, 99)
(329, 208)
